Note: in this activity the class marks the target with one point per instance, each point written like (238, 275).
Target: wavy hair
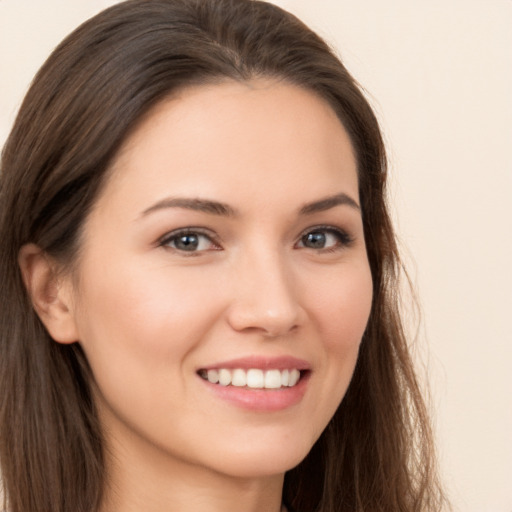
(376, 454)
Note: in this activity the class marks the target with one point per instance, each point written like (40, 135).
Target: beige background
(439, 75)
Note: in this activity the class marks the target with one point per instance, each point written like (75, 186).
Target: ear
(50, 293)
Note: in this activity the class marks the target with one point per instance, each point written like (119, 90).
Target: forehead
(217, 139)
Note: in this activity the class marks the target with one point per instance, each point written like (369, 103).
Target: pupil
(187, 242)
(315, 240)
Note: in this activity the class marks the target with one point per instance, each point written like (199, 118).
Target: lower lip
(261, 400)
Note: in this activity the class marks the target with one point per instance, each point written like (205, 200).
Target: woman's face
(228, 244)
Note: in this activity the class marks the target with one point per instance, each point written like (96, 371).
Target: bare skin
(230, 230)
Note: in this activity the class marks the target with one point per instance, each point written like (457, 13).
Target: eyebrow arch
(222, 209)
(329, 202)
(200, 205)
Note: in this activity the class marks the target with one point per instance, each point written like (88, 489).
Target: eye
(321, 238)
(189, 240)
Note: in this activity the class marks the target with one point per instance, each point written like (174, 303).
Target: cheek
(138, 326)
(140, 318)
(342, 314)
(343, 308)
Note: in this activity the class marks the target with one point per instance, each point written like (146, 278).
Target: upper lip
(261, 362)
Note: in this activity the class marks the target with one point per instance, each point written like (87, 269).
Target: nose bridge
(264, 296)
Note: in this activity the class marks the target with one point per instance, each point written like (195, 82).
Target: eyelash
(343, 239)
(173, 236)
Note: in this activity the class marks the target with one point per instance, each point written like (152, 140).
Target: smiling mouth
(253, 378)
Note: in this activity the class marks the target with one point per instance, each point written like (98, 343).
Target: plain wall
(439, 76)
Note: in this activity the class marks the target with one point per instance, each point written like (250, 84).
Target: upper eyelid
(326, 227)
(187, 230)
(346, 238)
(217, 240)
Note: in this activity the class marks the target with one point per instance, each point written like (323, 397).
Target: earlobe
(49, 292)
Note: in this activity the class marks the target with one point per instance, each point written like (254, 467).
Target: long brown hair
(376, 454)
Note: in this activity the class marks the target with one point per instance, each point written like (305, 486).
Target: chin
(264, 461)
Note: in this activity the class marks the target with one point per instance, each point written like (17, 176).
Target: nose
(264, 297)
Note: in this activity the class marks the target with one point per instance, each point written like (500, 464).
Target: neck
(182, 496)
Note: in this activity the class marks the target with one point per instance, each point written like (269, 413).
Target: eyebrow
(200, 205)
(223, 209)
(329, 202)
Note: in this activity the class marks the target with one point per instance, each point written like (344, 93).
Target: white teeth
(224, 377)
(253, 378)
(239, 378)
(213, 376)
(273, 379)
(293, 378)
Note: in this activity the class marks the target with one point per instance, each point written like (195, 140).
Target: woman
(199, 276)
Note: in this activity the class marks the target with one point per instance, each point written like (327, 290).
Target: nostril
(265, 301)
(269, 323)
